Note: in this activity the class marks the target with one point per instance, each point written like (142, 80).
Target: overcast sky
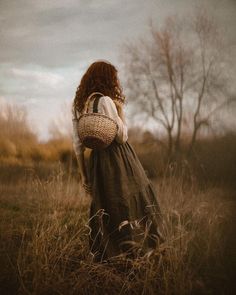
(46, 45)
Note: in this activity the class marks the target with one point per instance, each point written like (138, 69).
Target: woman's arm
(82, 168)
(115, 111)
(79, 149)
(83, 173)
(120, 110)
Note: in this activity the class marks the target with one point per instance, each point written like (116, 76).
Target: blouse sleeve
(108, 108)
(78, 146)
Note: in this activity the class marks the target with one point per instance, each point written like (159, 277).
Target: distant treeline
(213, 159)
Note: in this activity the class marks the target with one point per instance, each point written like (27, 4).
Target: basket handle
(88, 101)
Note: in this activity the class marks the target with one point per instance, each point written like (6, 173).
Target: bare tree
(175, 75)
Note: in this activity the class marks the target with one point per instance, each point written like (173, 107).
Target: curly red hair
(101, 76)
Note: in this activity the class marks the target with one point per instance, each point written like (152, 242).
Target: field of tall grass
(44, 241)
(44, 220)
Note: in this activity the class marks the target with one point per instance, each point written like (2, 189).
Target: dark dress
(125, 215)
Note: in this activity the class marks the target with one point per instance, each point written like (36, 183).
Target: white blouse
(107, 107)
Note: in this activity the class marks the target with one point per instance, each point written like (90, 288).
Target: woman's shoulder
(106, 98)
(107, 101)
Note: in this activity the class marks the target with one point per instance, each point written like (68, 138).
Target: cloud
(46, 45)
(45, 78)
(61, 33)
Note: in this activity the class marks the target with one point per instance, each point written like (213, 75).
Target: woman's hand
(86, 185)
(87, 188)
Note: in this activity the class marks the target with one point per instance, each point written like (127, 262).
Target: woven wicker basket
(96, 131)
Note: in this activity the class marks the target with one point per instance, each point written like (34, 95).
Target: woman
(124, 212)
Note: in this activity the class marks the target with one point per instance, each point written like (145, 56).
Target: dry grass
(44, 246)
(16, 137)
(19, 143)
(44, 220)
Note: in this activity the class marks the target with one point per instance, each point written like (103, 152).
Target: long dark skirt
(125, 214)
